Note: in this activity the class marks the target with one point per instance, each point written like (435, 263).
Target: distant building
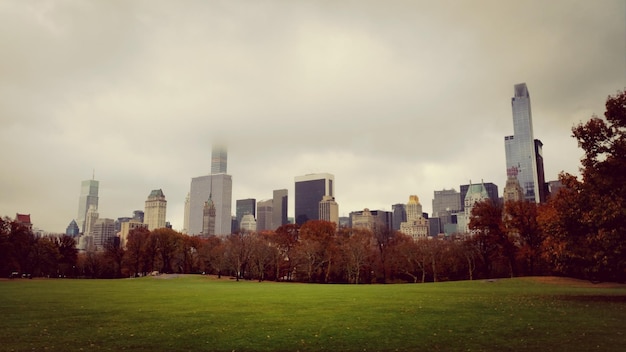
(265, 210)
(512, 191)
(219, 159)
(218, 184)
(416, 224)
(248, 223)
(399, 215)
(490, 188)
(72, 229)
(446, 200)
(523, 152)
(372, 220)
(126, 229)
(102, 233)
(208, 218)
(554, 187)
(309, 191)
(329, 210)
(475, 193)
(186, 215)
(243, 207)
(24, 220)
(90, 220)
(88, 197)
(155, 212)
(280, 208)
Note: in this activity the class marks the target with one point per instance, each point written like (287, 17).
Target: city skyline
(393, 99)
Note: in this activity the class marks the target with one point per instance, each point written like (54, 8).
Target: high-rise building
(88, 197)
(264, 210)
(90, 219)
(309, 191)
(219, 187)
(219, 159)
(523, 152)
(446, 201)
(329, 209)
(491, 188)
(399, 215)
(102, 233)
(512, 191)
(186, 216)
(155, 212)
(72, 229)
(208, 218)
(416, 225)
(243, 207)
(279, 213)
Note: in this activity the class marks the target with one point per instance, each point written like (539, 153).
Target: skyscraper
(279, 212)
(88, 197)
(399, 215)
(264, 215)
(208, 218)
(309, 191)
(329, 210)
(523, 152)
(219, 159)
(243, 207)
(155, 212)
(415, 225)
(219, 187)
(446, 201)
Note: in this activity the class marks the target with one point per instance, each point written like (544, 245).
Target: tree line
(580, 232)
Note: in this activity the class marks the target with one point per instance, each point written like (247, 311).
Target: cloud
(400, 98)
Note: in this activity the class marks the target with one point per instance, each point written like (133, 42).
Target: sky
(393, 98)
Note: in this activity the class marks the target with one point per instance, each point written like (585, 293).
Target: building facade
(446, 201)
(264, 213)
(491, 188)
(512, 191)
(399, 215)
(523, 151)
(475, 193)
(155, 211)
(219, 187)
(243, 207)
(309, 191)
(88, 197)
(281, 206)
(208, 218)
(372, 220)
(329, 210)
(416, 225)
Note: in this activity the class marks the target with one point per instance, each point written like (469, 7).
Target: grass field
(199, 313)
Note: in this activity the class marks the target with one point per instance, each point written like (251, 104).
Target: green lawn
(197, 313)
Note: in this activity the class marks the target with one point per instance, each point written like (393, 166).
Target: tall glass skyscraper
(309, 191)
(219, 158)
(218, 186)
(88, 197)
(523, 152)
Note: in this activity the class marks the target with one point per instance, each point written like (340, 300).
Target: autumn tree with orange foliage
(585, 221)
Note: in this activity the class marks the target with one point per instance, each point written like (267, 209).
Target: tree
(490, 238)
(135, 254)
(520, 221)
(356, 247)
(587, 223)
(317, 249)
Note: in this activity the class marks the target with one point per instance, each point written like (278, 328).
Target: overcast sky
(392, 97)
